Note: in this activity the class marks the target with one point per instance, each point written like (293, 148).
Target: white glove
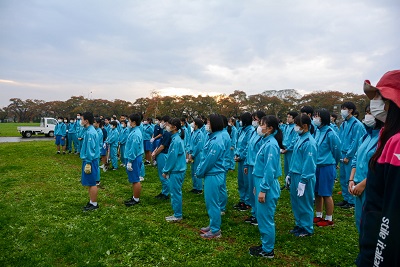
(282, 150)
(104, 145)
(129, 166)
(287, 181)
(187, 160)
(152, 140)
(88, 168)
(300, 189)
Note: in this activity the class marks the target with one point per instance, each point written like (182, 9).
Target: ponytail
(177, 123)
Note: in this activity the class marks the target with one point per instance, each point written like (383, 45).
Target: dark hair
(177, 123)
(293, 114)
(333, 115)
(307, 110)
(60, 117)
(302, 119)
(123, 121)
(198, 122)
(225, 121)
(88, 116)
(246, 119)
(135, 118)
(150, 120)
(166, 118)
(79, 113)
(349, 105)
(392, 127)
(107, 118)
(158, 118)
(272, 121)
(97, 120)
(216, 122)
(114, 123)
(323, 113)
(260, 114)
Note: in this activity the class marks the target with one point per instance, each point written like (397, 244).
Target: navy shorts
(147, 145)
(90, 179)
(59, 140)
(134, 175)
(325, 180)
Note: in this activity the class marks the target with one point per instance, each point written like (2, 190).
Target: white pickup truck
(46, 127)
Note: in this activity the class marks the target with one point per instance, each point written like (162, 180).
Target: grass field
(10, 129)
(41, 222)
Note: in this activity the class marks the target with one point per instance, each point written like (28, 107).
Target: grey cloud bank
(52, 50)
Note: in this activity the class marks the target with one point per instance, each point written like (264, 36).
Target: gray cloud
(124, 49)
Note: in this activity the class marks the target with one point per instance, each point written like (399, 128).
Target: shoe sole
(214, 237)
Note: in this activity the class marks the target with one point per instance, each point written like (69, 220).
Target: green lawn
(41, 222)
(10, 129)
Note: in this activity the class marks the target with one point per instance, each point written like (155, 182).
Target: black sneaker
(146, 162)
(250, 219)
(244, 207)
(69, 152)
(261, 253)
(90, 207)
(347, 206)
(255, 248)
(193, 191)
(131, 202)
(162, 196)
(238, 205)
(199, 192)
(295, 230)
(342, 203)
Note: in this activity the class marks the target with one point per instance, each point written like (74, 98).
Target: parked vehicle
(46, 127)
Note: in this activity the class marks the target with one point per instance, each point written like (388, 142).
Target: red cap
(388, 86)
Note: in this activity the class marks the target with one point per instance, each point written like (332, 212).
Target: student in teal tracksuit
(350, 134)
(123, 136)
(212, 169)
(289, 139)
(112, 141)
(233, 133)
(197, 141)
(148, 130)
(134, 158)
(227, 143)
(60, 132)
(79, 132)
(328, 157)
(333, 123)
(359, 165)
(240, 156)
(267, 170)
(175, 167)
(254, 144)
(97, 124)
(71, 135)
(90, 154)
(302, 177)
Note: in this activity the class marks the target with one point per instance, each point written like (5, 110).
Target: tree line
(274, 102)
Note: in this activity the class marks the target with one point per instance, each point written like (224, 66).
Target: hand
(261, 197)
(165, 175)
(346, 161)
(300, 189)
(104, 145)
(287, 181)
(350, 187)
(88, 168)
(245, 170)
(62, 138)
(152, 140)
(187, 160)
(237, 159)
(232, 148)
(359, 189)
(80, 138)
(283, 151)
(129, 166)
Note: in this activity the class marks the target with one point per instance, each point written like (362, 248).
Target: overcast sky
(52, 50)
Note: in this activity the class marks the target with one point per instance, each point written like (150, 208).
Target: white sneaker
(141, 178)
(154, 163)
(101, 166)
(172, 219)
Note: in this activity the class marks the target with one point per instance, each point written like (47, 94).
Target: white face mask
(78, 117)
(230, 124)
(377, 108)
(192, 125)
(240, 124)
(71, 121)
(369, 121)
(59, 121)
(255, 123)
(344, 113)
(317, 121)
(162, 125)
(82, 124)
(156, 121)
(208, 128)
(297, 129)
(168, 128)
(260, 132)
(129, 125)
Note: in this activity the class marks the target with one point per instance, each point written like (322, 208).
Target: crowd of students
(312, 145)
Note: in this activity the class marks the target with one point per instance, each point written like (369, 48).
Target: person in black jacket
(379, 229)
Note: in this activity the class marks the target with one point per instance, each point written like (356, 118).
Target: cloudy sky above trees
(52, 50)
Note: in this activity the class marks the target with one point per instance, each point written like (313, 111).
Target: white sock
(328, 217)
(93, 203)
(319, 214)
(136, 199)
